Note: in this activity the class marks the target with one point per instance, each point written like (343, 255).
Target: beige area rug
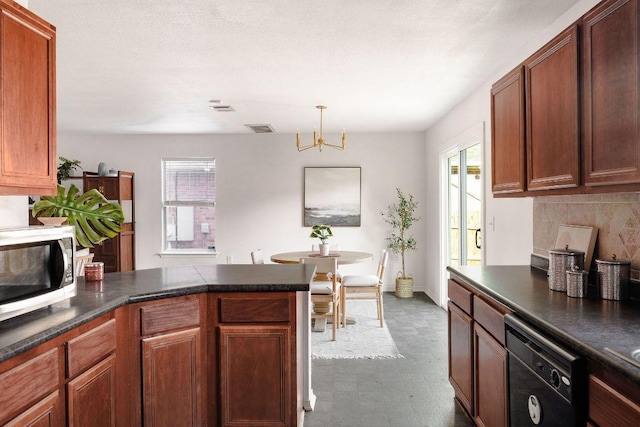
(363, 340)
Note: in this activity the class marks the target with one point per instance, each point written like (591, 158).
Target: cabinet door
(490, 380)
(28, 383)
(611, 101)
(42, 414)
(27, 104)
(553, 133)
(125, 250)
(609, 407)
(461, 355)
(91, 396)
(107, 252)
(256, 377)
(171, 375)
(108, 186)
(508, 133)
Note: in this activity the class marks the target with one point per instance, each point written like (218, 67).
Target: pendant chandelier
(319, 142)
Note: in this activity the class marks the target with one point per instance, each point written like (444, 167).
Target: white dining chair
(325, 292)
(333, 247)
(365, 287)
(257, 257)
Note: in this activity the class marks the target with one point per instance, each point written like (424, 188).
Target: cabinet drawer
(608, 407)
(90, 347)
(167, 316)
(255, 309)
(28, 383)
(461, 296)
(491, 319)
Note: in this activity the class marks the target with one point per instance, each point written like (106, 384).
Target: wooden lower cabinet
(477, 357)
(461, 355)
(255, 375)
(167, 354)
(30, 391)
(255, 349)
(42, 414)
(490, 380)
(613, 402)
(226, 359)
(171, 376)
(91, 396)
(68, 381)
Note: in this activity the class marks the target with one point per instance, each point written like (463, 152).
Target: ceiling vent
(261, 128)
(223, 108)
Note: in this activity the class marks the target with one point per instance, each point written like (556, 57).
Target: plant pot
(404, 287)
(324, 249)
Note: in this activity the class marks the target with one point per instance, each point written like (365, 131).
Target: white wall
(510, 240)
(260, 190)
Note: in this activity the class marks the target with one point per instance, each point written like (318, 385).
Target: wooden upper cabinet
(508, 133)
(27, 103)
(552, 114)
(611, 106)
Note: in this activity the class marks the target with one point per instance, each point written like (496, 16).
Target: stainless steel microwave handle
(65, 262)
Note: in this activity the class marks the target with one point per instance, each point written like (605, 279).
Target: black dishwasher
(547, 383)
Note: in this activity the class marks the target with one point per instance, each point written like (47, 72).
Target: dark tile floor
(413, 391)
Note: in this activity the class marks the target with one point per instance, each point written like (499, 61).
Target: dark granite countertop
(587, 325)
(94, 299)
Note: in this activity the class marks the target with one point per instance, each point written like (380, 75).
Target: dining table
(343, 257)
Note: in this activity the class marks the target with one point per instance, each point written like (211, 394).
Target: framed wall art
(332, 196)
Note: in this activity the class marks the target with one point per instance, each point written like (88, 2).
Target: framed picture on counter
(332, 196)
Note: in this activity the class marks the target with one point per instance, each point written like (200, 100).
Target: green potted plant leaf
(322, 232)
(401, 217)
(95, 218)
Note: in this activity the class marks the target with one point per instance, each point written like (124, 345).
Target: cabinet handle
(101, 188)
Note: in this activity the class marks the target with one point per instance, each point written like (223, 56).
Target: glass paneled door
(464, 191)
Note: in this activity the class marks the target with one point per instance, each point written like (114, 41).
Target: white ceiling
(152, 66)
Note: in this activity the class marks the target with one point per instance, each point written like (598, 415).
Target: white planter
(324, 249)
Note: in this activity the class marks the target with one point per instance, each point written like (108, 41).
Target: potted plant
(95, 218)
(322, 232)
(65, 168)
(401, 217)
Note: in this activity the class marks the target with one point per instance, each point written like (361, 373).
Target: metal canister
(561, 260)
(577, 282)
(613, 278)
(94, 271)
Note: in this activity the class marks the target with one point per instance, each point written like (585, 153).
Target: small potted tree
(322, 232)
(401, 217)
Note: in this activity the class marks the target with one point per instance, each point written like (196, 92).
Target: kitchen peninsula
(479, 299)
(207, 345)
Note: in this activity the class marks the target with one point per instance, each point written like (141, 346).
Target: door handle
(478, 245)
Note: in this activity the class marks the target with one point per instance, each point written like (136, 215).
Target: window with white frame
(188, 205)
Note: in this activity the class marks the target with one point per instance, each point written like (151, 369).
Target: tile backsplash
(616, 216)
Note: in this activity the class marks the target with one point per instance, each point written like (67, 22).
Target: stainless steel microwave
(36, 268)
